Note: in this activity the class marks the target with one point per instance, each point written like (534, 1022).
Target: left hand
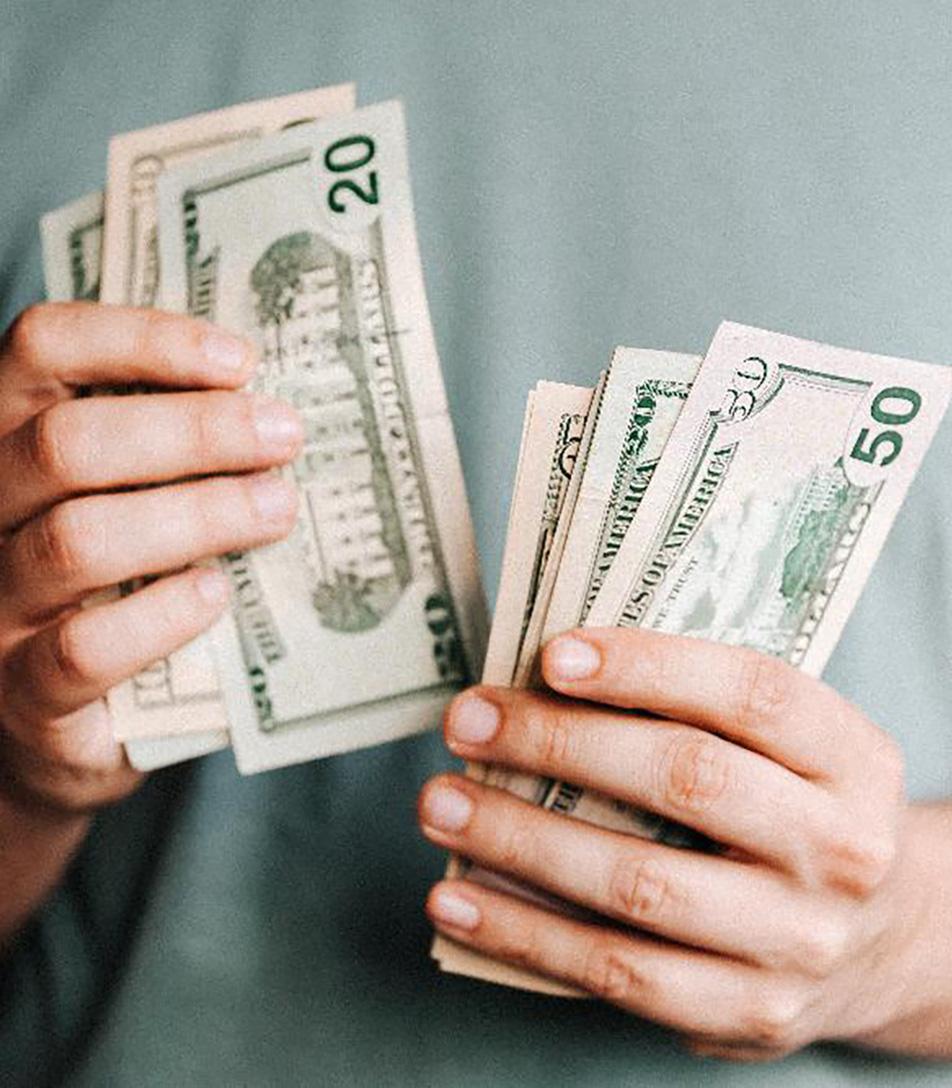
(792, 934)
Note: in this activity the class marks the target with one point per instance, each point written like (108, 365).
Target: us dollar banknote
(776, 491)
(511, 595)
(554, 431)
(358, 627)
(179, 694)
(138, 159)
(72, 249)
(563, 483)
(555, 426)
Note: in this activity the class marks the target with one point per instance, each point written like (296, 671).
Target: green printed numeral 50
(342, 157)
(883, 448)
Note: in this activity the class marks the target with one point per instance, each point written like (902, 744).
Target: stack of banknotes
(741, 497)
(290, 221)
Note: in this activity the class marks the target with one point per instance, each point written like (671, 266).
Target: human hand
(69, 525)
(798, 931)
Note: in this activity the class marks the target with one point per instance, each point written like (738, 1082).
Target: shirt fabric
(585, 174)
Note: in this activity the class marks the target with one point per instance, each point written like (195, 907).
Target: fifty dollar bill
(780, 481)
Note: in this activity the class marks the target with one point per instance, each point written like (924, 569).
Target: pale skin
(75, 519)
(826, 917)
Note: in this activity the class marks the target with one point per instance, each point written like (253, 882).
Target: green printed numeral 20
(884, 446)
(344, 156)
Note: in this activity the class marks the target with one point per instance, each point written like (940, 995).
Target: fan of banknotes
(291, 221)
(742, 497)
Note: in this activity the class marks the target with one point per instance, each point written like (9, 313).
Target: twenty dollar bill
(178, 695)
(360, 625)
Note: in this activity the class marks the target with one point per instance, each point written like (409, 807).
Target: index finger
(755, 700)
(51, 349)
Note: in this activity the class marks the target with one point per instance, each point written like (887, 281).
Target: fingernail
(226, 353)
(447, 809)
(212, 587)
(473, 720)
(278, 426)
(572, 659)
(273, 499)
(453, 910)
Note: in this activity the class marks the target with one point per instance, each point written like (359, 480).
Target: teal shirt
(585, 175)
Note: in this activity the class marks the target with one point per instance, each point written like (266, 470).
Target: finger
(684, 989)
(71, 663)
(52, 348)
(73, 763)
(728, 793)
(740, 910)
(756, 700)
(78, 446)
(88, 543)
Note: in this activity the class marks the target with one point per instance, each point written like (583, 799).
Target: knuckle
(774, 1019)
(66, 772)
(765, 689)
(858, 865)
(639, 890)
(243, 410)
(73, 653)
(551, 739)
(54, 446)
(820, 947)
(154, 329)
(64, 541)
(193, 333)
(516, 846)
(26, 336)
(208, 514)
(693, 771)
(521, 945)
(203, 428)
(614, 973)
(53, 746)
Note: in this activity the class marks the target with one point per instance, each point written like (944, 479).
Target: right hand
(75, 518)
